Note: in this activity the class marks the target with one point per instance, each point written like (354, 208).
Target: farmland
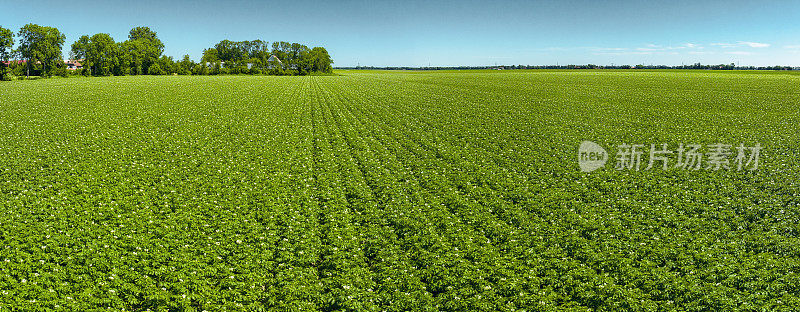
(395, 191)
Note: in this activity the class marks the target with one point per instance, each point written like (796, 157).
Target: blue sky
(449, 33)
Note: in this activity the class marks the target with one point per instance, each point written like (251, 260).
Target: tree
(41, 44)
(253, 57)
(209, 56)
(298, 58)
(79, 47)
(281, 51)
(102, 54)
(144, 33)
(6, 43)
(185, 66)
(144, 48)
(123, 60)
(258, 49)
(320, 60)
(230, 52)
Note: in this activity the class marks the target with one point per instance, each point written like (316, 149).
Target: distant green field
(396, 191)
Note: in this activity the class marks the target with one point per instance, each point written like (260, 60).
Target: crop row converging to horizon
(39, 53)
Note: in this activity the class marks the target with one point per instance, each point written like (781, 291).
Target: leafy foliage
(254, 57)
(41, 45)
(6, 46)
(6, 43)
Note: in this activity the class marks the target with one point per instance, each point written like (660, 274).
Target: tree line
(283, 58)
(39, 53)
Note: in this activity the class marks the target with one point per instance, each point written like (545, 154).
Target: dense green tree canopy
(79, 48)
(320, 60)
(209, 56)
(237, 51)
(143, 48)
(101, 55)
(6, 43)
(253, 56)
(41, 44)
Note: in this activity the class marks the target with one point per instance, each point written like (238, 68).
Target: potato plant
(395, 191)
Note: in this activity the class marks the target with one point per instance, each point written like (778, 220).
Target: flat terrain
(398, 191)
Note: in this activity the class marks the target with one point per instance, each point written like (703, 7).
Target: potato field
(396, 191)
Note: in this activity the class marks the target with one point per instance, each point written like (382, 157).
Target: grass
(375, 190)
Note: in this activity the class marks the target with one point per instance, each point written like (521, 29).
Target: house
(273, 62)
(15, 62)
(74, 64)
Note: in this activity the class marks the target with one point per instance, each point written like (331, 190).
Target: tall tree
(320, 60)
(124, 59)
(298, 58)
(41, 44)
(102, 54)
(258, 49)
(281, 50)
(79, 47)
(209, 56)
(185, 65)
(254, 57)
(134, 51)
(78, 51)
(144, 48)
(143, 32)
(6, 44)
(231, 52)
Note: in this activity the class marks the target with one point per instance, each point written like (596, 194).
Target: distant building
(16, 62)
(74, 64)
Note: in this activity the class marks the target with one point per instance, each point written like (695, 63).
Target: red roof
(75, 62)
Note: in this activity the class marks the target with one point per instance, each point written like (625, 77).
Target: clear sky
(450, 33)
